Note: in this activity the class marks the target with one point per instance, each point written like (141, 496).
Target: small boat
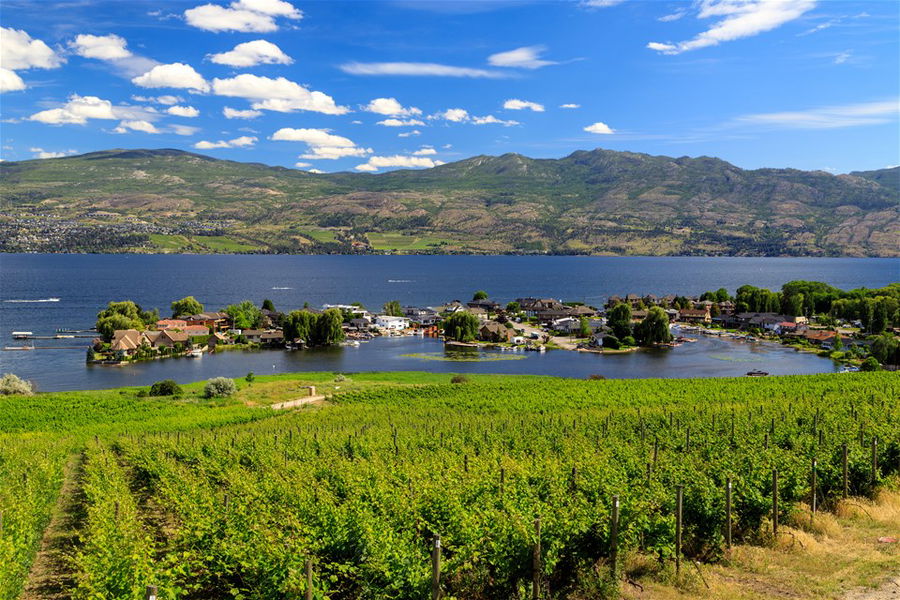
(198, 353)
(756, 373)
(351, 344)
(18, 348)
(21, 335)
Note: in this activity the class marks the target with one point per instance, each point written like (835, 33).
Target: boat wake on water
(34, 301)
(282, 288)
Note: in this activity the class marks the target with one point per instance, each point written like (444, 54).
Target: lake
(85, 283)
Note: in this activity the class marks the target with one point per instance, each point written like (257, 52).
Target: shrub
(219, 387)
(595, 377)
(628, 341)
(12, 384)
(611, 342)
(339, 378)
(250, 378)
(870, 364)
(166, 387)
(459, 379)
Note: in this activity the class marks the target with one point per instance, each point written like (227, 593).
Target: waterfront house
(167, 338)
(487, 304)
(479, 312)
(567, 325)
(171, 324)
(126, 341)
(271, 338)
(195, 330)
(425, 316)
(534, 306)
(492, 331)
(695, 315)
(215, 321)
(360, 323)
(391, 323)
(253, 335)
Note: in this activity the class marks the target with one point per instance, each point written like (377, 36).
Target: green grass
(402, 241)
(324, 236)
(174, 243)
(222, 243)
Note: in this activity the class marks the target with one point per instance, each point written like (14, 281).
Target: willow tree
(461, 326)
(654, 329)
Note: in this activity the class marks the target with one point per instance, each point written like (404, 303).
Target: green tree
(480, 295)
(870, 364)
(884, 348)
(513, 307)
(122, 315)
(268, 305)
(393, 308)
(584, 327)
(792, 305)
(838, 341)
(461, 326)
(244, 315)
(327, 329)
(722, 295)
(298, 324)
(619, 320)
(185, 307)
(654, 329)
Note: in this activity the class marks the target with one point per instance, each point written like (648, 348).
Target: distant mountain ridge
(589, 202)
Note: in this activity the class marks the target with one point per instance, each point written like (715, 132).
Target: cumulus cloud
(457, 115)
(302, 165)
(492, 120)
(183, 111)
(244, 141)
(400, 122)
(380, 162)
(514, 104)
(599, 128)
(417, 69)
(184, 130)
(249, 54)
(10, 82)
(167, 100)
(41, 153)
(322, 144)
(234, 113)
(280, 94)
(391, 107)
(526, 57)
(19, 51)
(142, 126)
(570, 105)
(739, 19)
(174, 75)
(101, 47)
(76, 111)
(409, 133)
(425, 151)
(244, 15)
(829, 117)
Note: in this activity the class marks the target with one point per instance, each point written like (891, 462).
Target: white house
(389, 322)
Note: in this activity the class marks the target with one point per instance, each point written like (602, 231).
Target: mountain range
(590, 202)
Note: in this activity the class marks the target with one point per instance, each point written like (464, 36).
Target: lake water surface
(85, 283)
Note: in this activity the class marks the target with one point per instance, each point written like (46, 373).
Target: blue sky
(371, 86)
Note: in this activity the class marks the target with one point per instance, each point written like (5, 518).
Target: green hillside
(590, 202)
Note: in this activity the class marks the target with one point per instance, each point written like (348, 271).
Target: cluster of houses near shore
(527, 321)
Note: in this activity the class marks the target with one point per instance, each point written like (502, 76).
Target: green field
(200, 243)
(226, 498)
(222, 243)
(402, 241)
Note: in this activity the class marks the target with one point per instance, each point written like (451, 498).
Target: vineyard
(493, 488)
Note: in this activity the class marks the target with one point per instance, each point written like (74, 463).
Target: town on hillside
(858, 328)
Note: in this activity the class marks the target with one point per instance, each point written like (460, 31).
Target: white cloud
(41, 153)
(417, 69)
(843, 57)
(102, 47)
(184, 130)
(249, 54)
(829, 117)
(76, 111)
(233, 113)
(379, 162)
(514, 104)
(425, 151)
(167, 100)
(526, 57)
(409, 133)
(240, 142)
(275, 8)
(322, 143)
(242, 15)
(19, 51)
(457, 115)
(740, 19)
(400, 122)
(570, 105)
(315, 171)
(10, 82)
(492, 120)
(302, 165)
(278, 94)
(600, 3)
(183, 111)
(599, 128)
(672, 16)
(175, 75)
(142, 126)
(391, 107)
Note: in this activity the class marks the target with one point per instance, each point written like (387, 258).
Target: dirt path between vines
(51, 576)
